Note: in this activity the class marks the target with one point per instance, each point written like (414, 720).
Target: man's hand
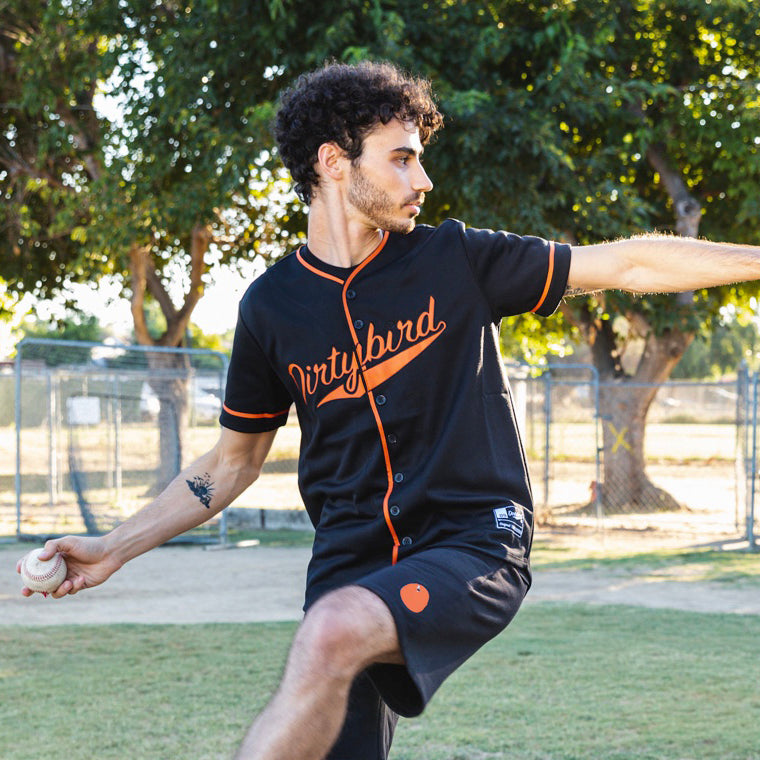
(88, 563)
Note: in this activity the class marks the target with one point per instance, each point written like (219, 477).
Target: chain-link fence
(662, 458)
(88, 433)
(101, 429)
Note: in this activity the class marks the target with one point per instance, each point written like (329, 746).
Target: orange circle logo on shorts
(415, 597)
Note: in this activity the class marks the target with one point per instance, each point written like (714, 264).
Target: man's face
(387, 184)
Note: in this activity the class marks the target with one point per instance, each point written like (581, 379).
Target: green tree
(581, 120)
(173, 178)
(585, 120)
(721, 350)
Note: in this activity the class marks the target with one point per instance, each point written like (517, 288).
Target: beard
(377, 205)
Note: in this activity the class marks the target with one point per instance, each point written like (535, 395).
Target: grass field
(565, 682)
(690, 564)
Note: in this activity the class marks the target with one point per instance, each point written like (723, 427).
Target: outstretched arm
(200, 491)
(660, 264)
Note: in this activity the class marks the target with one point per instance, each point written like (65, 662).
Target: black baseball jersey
(408, 433)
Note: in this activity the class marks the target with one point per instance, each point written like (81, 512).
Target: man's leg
(342, 634)
(369, 726)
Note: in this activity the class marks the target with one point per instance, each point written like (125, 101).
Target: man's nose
(421, 182)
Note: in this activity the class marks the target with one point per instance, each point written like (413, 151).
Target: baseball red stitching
(44, 576)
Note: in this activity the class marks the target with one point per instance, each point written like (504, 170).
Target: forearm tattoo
(203, 487)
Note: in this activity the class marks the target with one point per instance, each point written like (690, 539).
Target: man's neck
(337, 239)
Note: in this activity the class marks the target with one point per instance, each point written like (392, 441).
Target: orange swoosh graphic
(382, 371)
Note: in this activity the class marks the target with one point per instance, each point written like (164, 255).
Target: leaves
(550, 111)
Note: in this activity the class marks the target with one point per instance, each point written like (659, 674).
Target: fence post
(753, 470)
(117, 438)
(17, 415)
(547, 377)
(599, 506)
(52, 441)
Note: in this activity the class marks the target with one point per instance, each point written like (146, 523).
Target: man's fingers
(50, 549)
(64, 589)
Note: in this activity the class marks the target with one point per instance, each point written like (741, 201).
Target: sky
(215, 313)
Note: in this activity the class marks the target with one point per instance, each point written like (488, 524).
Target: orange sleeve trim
(549, 276)
(254, 416)
(317, 271)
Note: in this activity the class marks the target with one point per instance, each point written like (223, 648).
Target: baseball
(42, 575)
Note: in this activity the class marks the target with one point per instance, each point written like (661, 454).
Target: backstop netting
(101, 429)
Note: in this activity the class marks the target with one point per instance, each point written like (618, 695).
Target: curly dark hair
(342, 103)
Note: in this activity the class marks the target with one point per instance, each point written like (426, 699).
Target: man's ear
(331, 161)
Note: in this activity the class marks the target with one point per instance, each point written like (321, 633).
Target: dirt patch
(196, 585)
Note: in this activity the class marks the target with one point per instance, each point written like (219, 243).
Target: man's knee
(347, 630)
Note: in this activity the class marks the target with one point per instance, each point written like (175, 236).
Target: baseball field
(615, 656)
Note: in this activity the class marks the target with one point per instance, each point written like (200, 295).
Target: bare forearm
(659, 264)
(173, 512)
(199, 492)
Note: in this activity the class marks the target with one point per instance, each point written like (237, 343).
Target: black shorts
(447, 603)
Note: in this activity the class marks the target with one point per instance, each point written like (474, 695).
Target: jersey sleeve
(517, 274)
(255, 399)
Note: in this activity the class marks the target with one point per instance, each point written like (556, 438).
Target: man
(384, 336)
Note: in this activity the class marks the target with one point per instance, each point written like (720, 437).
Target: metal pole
(223, 527)
(751, 500)
(599, 449)
(547, 431)
(19, 351)
(117, 438)
(52, 468)
(741, 448)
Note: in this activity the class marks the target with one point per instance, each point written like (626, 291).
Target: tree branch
(137, 257)
(158, 290)
(199, 244)
(688, 209)
(16, 165)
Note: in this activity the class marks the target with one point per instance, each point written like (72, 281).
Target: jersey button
(380, 399)
(392, 438)
(406, 541)
(358, 324)
(350, 294)
(395, 510)
(399, 477)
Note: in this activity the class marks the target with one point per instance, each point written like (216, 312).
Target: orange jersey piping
(317, 271)
(549, 276)
(378, 421)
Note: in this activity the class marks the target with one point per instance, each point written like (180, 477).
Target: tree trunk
(169, 380)
(170, 373)
(624, 406)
